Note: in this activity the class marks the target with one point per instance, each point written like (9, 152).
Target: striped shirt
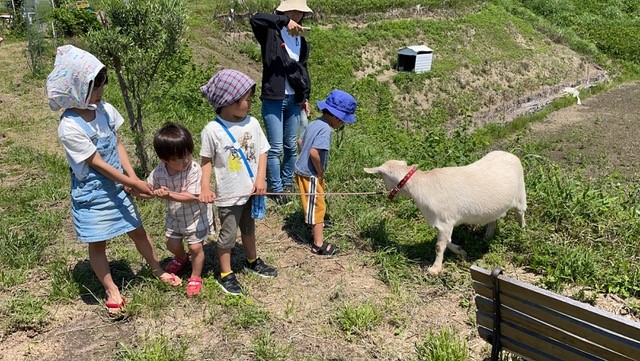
(188, 217)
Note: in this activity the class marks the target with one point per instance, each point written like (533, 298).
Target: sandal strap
(324, 249)
(194, 281)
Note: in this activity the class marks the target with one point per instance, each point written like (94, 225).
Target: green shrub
(70, 22)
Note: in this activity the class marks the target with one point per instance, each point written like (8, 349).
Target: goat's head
(391, 172)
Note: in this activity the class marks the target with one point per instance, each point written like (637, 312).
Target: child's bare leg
(145, 248)
(318, 239)
(249, 245)
(197, 259)
(174, 245)
(100, 265)
(224, 257)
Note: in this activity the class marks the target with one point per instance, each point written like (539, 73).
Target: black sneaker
(230, 285)
(260, 268)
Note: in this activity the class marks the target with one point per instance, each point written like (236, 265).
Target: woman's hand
(306, 107)
(294, 28)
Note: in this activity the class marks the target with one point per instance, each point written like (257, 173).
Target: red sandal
(114, 308)
(175, 265)
(193, 286)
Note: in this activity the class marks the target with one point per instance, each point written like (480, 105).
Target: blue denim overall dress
(100, 207)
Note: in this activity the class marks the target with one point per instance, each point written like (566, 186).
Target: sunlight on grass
(266, 348)
(158, 348)
(442, 346)
(25, 312)
(358, 319)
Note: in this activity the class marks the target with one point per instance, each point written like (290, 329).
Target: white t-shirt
(292, 44)
(77, 143)
(231, 175)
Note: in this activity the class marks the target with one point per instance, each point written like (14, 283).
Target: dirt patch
(222, 50)
(599, 136)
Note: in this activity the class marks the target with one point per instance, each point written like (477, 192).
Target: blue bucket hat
(341, 104)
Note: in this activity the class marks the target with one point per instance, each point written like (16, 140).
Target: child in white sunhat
(177, 180)
(100, 167)
(236, 148)
(338, 109)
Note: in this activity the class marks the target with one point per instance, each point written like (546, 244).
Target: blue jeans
(281, 121)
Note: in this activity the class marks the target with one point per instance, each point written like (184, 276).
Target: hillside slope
(489, 66)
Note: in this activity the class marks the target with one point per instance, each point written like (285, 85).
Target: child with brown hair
(177, 180)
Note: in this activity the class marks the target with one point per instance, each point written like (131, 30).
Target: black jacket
(275, 60)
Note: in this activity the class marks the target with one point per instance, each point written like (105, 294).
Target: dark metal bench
(541, 325)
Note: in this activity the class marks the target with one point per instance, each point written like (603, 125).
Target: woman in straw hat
(285, 87)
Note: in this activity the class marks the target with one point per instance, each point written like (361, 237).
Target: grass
(267, 349)
(356, 320)
(158, 348)
(582, 232)
(25, 312)
(444, 345)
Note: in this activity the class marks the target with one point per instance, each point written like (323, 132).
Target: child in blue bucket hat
(338, 109)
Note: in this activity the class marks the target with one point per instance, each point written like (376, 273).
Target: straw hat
(289, 5)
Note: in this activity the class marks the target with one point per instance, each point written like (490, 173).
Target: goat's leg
(491, 230)
(520, 218)
(444, 238)
(457, 250)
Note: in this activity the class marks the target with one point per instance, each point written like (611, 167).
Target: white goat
(478, 193)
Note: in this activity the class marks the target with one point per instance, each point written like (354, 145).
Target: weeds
(159, 348)
(358, 319)
(267, 349)
(243, 312)
(442, 346)
(25, 312)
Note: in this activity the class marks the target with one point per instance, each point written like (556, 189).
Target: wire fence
(40, 33)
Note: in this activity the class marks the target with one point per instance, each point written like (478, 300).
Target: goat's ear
(372, 170)
(414, 166)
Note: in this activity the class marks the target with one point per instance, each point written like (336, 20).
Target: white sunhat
(292, 5)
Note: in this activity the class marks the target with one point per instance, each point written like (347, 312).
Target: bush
(70, 22)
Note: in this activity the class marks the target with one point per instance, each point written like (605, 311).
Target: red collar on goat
(404, 181)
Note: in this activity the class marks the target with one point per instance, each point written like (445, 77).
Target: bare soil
(304, 299)
(600, 136)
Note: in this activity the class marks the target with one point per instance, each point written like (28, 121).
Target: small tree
(139, 38)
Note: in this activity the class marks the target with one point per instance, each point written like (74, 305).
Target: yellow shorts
(313, 205)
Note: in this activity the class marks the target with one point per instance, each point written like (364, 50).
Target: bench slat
(589, 345)
(566, 305)
(567, 325)
(570, 330)
(483, 290)
(544, 346)
(524, 350)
